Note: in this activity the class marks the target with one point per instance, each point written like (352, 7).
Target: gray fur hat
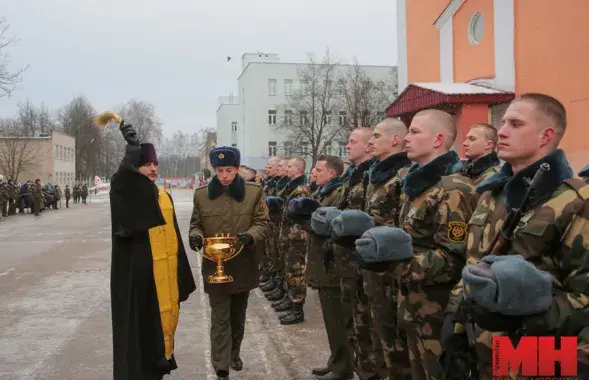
(384, 244)
(508, 285)
(352, 223)
(321, 220)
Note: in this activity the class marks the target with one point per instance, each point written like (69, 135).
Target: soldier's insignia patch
(221, 156)
(457, 232)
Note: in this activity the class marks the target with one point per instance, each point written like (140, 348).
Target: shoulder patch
(457, 232)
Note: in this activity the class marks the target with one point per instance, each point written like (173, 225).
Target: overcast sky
(173, 53)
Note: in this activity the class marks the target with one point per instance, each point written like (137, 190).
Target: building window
(304, 84)
(342, 118)
(272, 87)
(327, 118)
(271, 148)
(304, 149)
(288, 117)
(342, 149)
(341, 87)
(327, 149)
(234, 126)
(271, 117)
(476, 28)
(288, 87)
(288, 149)
(304, 118)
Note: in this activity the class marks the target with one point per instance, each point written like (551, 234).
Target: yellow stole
(164, 250)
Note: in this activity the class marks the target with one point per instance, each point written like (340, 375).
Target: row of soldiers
(421, 258)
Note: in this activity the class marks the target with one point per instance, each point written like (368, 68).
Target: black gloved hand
(493, 322)
(447, 329)
(195, 242)
(245, 238)
(129, 134)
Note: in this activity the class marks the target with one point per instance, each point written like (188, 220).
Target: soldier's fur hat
(322, 218)
(381, 246)
(352, 223)
(275, 204)
(225, 156)
(303, 206)
(508, 285)
(148, 154)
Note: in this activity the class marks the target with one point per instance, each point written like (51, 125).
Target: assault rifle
(499, 246)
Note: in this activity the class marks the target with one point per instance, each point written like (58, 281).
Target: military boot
(286, 305)
(276, 303)
(263, 278)
(269, 282)
(269, 286)
(296, 315)
(275, 296)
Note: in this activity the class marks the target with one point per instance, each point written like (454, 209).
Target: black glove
(493, 322)
(327, 254)
(245, 238)
(129, 134)
(447, 329)
(195, 242)
(346, 241)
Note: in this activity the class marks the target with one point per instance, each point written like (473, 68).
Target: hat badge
(221, 156)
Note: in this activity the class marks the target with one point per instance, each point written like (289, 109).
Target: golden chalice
(219, 249)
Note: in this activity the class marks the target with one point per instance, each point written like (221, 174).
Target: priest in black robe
(150, 272)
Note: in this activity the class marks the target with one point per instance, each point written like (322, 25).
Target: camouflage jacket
(436, 207)
(328, 195)
(269, 185)
(553, 234)
(384, 189)
(353, 190)
(291, 232)
(281, 183)
(481, 169)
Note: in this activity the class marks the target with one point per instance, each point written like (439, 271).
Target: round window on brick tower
(476, 28)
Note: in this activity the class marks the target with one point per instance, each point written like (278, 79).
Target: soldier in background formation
(413, 250)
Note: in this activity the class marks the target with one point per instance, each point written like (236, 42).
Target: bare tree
(76, 120)
(8, 78)
(142, 115)
(19, 152)
(309, 117)
(364, 99)
(34, 120)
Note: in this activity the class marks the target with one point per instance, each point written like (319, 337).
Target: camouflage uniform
(13, 194)
(269, 248)
(3, 199)
(553, 235)
(327, 283)
(293, 244)
(383, 203)
(277, 253)
(369, 363)
(436, 205)
(481, 169)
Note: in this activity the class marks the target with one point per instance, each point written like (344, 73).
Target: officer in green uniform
(229, 205)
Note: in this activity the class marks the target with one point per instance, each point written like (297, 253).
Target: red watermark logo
(535, 358)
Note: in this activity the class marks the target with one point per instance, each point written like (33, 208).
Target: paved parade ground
(55, 319)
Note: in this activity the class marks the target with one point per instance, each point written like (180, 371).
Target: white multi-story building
(249, 121)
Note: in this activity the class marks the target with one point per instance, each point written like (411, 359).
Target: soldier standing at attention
(150, 272)
(367, 361)
(321, 275)
(269, 184)
(37, 196)
(436, 207)
(274, 288)
(293, 243)
(68, 195)
(228, 204)
(383, 204)
(538, 281)
(84, 193)
(482, 161)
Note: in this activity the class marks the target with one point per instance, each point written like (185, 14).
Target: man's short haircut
(443, 122)
(366, 132)
(333, 163)
(300, 163)
(489, 131)
(252, 172)
(549, 107)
